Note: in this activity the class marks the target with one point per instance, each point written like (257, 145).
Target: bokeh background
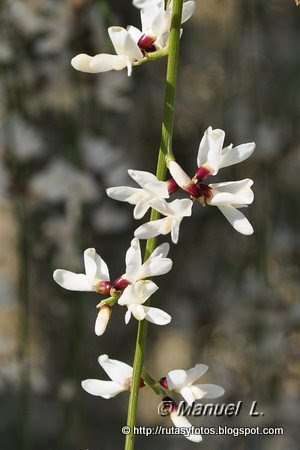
(65, 137)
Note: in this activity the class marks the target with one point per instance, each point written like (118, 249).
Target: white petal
(117, 371)
(137, 311)
(162, 251)
(210, 149)
(123, 43)
(155, 266)
(237, 154)
(157, 316)
(82, 63)
(137, 293)
(104, 62)
(125, 194)
(188, 10)
(207, 391)
(154, 228)
(149, 182)
(182, 422)
(177, 379)
(127, 316)
(180, 208)
(236, 219)
(95, 268)
(71, 281)
(196, 372)
(105, 389)
(175, 229)
(179, 175)
(134, 32)
(187, 394)
(141, 208)
(232, 192)
(133, 260)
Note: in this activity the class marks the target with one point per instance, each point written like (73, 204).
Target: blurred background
(66, 136)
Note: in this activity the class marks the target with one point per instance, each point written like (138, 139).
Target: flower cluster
(131, 44)
(175, 382)
(229, 196)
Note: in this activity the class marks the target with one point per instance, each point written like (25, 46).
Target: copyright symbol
(164, 408)
(125, 430)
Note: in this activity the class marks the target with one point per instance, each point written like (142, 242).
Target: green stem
(165, 150)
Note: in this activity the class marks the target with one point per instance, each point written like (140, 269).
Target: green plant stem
(165, 150)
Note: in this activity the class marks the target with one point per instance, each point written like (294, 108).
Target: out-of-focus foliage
(65, 137)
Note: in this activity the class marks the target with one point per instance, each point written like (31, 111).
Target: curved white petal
(137, 311)
(117, 371)
(105, 389)
(133, 260)
(178, 207)
(149, 182)
(182, 422)
(177, 379)
(154, 228)
(141, 208)
(196, 372)
(207, 391)
(127, 316)
(179, 175)
(137, 293)
(134, 32)
(156, 316)
(237, 154)
(232, 192)
(82, 62)
(210, 149)
(155, 266)
(161, 251)
(236, 219)
(125, 194)
(187, 394)
(102, 320)
(175, 229)
(105, 62)
(188, 10)
(95, 268)
(123, 43)
(71, 281)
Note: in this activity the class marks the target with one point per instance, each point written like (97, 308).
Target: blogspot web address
(158, 430)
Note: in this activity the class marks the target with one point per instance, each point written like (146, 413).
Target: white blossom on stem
(174, 212)
(182, 382)
(151, 189)
(179, 420)
(119, 373)
(95, 278)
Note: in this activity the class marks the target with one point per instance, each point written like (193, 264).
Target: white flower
(182, 382)
(131, 43)
(137, 293)
(151, 189)
(120, 374)
(125, 46)
(174, 212)
(212, 156)
(96, 272)
(228, 196)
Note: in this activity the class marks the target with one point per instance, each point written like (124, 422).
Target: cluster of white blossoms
(176, 381)
(132, 44)
(228, 196)
(135, 286)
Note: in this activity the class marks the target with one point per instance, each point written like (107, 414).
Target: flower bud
(146, 42)
(104, 287)
(120, 284)
(164, 383)
(102, 319)
(202, 173)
